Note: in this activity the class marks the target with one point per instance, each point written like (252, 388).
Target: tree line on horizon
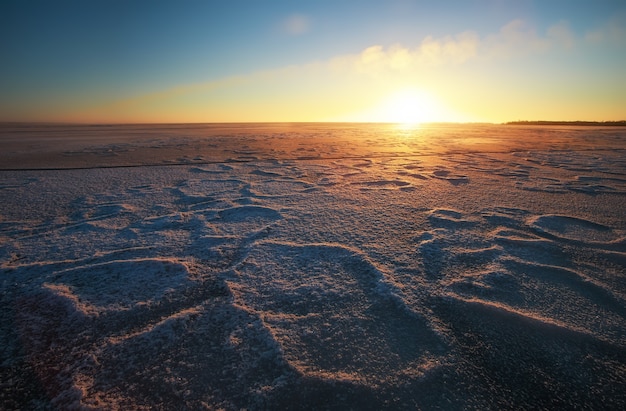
(566, 123)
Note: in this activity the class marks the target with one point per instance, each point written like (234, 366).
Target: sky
(340, 60)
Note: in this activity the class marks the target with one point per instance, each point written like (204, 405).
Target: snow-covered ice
(312, 267)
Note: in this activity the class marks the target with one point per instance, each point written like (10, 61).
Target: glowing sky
(222, 61)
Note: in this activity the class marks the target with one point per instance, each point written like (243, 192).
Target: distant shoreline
(621, 123)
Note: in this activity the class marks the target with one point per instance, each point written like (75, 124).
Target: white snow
(313, 267)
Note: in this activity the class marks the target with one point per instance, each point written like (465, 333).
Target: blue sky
(64, 56)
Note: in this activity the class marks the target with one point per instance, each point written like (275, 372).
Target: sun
(410, 106)
(407, 107)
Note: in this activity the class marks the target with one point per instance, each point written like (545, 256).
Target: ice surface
(313, 267)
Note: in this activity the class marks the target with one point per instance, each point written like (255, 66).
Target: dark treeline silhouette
(567, 123)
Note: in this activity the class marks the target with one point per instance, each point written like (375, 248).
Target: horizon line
(515, 122)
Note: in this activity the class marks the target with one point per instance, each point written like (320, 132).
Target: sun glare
(410, 107)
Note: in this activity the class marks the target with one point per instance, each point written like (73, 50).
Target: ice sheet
(349, 267)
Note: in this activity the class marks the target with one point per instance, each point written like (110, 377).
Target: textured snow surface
(380, 279)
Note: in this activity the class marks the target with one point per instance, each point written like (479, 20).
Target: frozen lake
(312, 266)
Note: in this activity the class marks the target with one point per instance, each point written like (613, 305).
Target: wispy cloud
(296, 24)
(516, 38)
(431, 52)
(613, 32)
(561, 35)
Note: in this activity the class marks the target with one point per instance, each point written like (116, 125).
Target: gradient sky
(338, 60)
